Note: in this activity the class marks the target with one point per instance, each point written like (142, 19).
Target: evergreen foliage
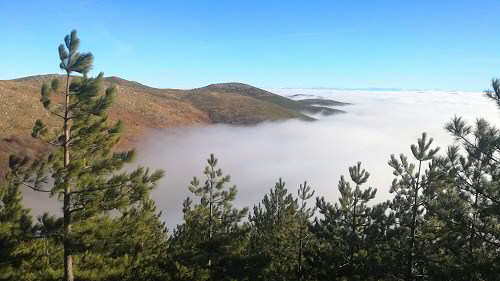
(443, 222)
(411, 187)
(305, 236)
(346, 229)
(275, 223)
(210, 244)
(83, 167)
(468, 207)
(14, 222)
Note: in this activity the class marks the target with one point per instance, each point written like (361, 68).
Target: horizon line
(385, 89)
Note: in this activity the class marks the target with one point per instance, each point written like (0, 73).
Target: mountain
(142, 107)
(322, 102)
(266, 96)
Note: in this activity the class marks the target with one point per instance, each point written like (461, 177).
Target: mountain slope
(242, 104)
(142, 107)
(322, 102)
(263, 95)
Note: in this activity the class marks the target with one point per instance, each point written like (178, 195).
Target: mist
(376, 125)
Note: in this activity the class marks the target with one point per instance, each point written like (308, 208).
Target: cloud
(377, 124)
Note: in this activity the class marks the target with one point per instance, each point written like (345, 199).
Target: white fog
(377, 124)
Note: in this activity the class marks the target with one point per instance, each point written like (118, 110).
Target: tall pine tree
(210, 244)
(275, 230)
(345, 229)
(411, 187)
(84, 167)
(469, 207)
(305, 236)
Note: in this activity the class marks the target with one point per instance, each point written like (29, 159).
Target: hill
(266, 96)
(142, 107)
(322, 102)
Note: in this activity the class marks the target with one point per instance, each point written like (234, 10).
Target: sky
(451, 45)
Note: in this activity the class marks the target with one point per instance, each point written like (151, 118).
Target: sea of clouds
(376, 125)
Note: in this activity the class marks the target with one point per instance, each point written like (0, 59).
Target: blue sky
(185, 44)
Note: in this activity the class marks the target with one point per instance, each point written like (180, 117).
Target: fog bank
(376, 125)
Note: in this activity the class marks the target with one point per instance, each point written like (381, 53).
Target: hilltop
(142, 107)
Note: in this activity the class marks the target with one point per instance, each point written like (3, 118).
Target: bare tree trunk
(68, 259)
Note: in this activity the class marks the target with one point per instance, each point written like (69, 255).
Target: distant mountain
(322, 102)
(142, 107)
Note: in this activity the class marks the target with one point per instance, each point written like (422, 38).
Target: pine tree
(23, 245)
(275, 225)
(469, 206)
(14, 223)
(411, 188)
(305, 236)
(83, 166)
(131, 246)
(211, 243)
(47, 234)
(346, 227)
(145, 241)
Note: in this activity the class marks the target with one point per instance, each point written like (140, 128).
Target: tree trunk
(68, 259)
(210, 222)
(471, 239)
(477, 183)
(299, 267)
(301, 241)
(413, 227)
(353, 235)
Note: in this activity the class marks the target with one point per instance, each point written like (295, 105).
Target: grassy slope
(227, 103)
(263, 95)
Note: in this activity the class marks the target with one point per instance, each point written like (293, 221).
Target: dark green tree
(15, 222)
(304, 236)
(131, 246)
(210, 244)
(144, 238)
(275, 230)
(469, 206)
(411, 187)
(345, 229)
(26, 250)
(83, 166)
(48, 233)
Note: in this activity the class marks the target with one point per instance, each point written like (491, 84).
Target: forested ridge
(442, 223)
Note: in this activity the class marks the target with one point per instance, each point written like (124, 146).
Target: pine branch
(28, 185)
